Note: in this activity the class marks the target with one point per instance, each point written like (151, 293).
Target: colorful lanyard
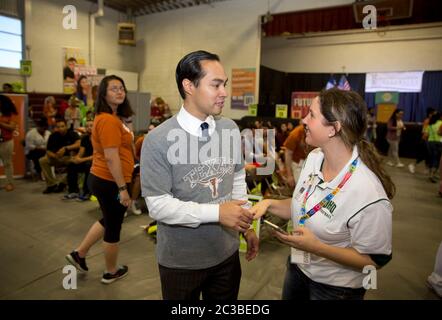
(327, 199)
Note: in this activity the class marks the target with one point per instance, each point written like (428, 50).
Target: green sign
(25, 67)
(253, 109)
(281, 111)
(387, 98)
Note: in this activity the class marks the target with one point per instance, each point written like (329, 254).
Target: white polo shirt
(359, 216)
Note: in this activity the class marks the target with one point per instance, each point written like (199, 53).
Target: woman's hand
(124, 198)
(259, 209)
(301, 238)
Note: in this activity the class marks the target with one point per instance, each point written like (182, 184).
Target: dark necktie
(205, 129)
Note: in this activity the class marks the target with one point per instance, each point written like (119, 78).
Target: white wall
(402, 48)
(45, 35)
(229, 28)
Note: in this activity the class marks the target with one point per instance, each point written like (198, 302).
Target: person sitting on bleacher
(61, 144)
(35, 144)
(82, 162)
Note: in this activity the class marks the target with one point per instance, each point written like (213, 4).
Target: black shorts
(113, 211)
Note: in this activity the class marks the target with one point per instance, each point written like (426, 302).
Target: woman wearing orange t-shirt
(111, 171)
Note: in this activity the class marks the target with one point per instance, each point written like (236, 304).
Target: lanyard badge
(306, 215)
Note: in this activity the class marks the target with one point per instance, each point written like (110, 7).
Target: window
(10, 42)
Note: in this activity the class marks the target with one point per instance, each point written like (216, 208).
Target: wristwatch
(122, 188)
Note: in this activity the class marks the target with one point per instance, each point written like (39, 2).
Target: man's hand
(232, 215)
(60, 153)
(76, 160)
(252, 244)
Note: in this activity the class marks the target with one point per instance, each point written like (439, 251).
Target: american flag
(331, 83)
(343, 84)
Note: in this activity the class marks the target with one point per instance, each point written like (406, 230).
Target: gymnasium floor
(37, 231)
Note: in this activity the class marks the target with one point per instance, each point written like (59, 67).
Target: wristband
(122, 188)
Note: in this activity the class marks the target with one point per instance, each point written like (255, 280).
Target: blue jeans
(297, 286)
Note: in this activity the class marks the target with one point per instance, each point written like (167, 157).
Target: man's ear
(188, 86)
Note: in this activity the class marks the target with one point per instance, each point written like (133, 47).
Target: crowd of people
(201, 206)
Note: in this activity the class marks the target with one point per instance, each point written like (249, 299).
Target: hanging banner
(387, 97)
(243, 88)
(281, 111)
(301, 102)
(394, 81)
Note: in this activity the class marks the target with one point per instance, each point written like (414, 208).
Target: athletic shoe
(83, 197)
(411, 168)
(400, 165)
(70, 196)
(78, 262)
(9, 187)
(389, 163)
(134, 209)
(111, 277)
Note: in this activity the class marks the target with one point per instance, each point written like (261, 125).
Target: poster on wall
(20, 102)
(243, 88)
(73, 59)
(74, 67)
(301, 102)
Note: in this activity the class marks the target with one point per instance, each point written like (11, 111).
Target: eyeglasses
(116, 89)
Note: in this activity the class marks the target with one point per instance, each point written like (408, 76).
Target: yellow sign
(281, 111)
(253, 109)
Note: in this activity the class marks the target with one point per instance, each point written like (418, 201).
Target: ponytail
(372, 160)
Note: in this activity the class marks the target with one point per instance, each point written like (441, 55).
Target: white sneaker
(400, 165)
(389, 163)
(411, 168)
(134, 209)
(125, 214)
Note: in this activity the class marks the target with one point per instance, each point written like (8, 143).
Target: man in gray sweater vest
(193, 180)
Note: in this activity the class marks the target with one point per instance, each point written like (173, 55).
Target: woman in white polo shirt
(340, 207)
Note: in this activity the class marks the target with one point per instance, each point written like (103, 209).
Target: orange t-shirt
(108, 132)
(296, 142)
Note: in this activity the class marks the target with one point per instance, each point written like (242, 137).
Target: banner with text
(301, 102)
(243, 88)
(394, 81)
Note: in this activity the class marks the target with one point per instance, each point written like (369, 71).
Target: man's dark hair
(7, 87)
(124, 110)
(189, 68)
(7, 107)
(60, 119)
(42, 123)
(72, 59)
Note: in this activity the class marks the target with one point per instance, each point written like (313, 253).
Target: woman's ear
(335, 129)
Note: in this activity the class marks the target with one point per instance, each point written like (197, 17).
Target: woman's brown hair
(350, 110)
